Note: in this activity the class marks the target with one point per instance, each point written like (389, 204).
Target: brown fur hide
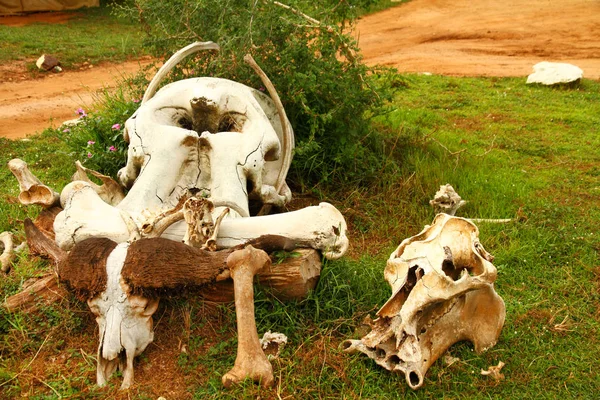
(84, 269)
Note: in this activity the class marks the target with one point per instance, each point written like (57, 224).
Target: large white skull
(211, 135)
(442, 293)
(124, 322)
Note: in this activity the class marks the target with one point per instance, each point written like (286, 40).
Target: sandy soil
(28, 106)
(484, 37)
(452, 37)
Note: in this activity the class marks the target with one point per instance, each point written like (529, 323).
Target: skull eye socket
(231, 122)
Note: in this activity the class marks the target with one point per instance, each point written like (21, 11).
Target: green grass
(528, 153)
(91, 35)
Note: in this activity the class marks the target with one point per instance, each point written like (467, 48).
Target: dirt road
(453, 37)
(484, 37)
(30, 106)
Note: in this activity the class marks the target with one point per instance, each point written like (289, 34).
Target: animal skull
(442, 293)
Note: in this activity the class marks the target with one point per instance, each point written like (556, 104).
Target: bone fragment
(110, 191)
(494, 371)
(446, 200)
(273, 343)
(251, 361)
(442, 293)
(8, 253)
(33, 191)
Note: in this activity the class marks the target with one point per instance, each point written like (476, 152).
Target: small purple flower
(89, 155)
(262, 89)
(112, 148)
(116, 127)
(91, 142)
(81, 112)
(66, 130)
(136, 100)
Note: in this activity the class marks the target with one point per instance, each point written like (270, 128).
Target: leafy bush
(314, 63)
(97, 139)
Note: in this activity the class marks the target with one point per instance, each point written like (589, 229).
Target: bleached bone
(85, 215)
(446, 200)
(201, 230)
(442, 292)
(224, 138)
(8, 251)
(320, 227)
(33, 191)
(250, 361)
(110, 191)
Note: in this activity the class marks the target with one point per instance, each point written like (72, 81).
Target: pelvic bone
(442, 293)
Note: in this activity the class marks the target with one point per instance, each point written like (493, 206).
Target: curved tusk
(173, 61)
(287, 134)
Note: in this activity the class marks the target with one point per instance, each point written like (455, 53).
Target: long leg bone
(251, 361)
(33, 191)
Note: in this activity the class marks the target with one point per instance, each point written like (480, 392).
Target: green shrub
(328, 94)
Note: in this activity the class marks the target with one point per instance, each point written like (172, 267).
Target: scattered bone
(446, 200)
(110, 191)
(250, 361)
(494, 371)
(442, 284)
(449, 360)
(272, 344)
(33, 191)
(8, 251)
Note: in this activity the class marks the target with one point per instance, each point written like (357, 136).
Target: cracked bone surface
(251, 361)
(207, 134)
(33, 191)
(320, 227)
(442, 283)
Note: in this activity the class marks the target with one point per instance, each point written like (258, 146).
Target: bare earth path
(484, 37)
(452, 37)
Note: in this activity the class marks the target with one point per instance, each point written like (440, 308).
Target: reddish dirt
(483, 37)
(29, 105)
(450, 37)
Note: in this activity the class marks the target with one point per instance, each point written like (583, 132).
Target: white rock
(548, 73)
